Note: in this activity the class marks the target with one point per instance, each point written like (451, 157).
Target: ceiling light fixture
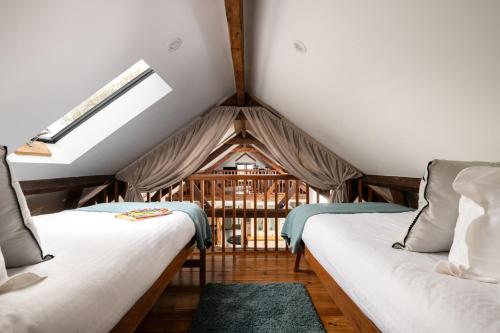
(300, 46)
(175, 44)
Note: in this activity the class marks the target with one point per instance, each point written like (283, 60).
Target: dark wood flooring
(176, 307)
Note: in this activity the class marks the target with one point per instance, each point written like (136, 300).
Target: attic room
(249, 166)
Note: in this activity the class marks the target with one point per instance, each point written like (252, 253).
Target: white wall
(56, 53)
(386, 84)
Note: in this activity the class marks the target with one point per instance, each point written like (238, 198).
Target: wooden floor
(175, 309)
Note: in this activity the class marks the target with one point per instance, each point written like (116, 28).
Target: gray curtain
(300, 154)
(178, 156)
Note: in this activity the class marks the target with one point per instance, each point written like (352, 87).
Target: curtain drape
(300, 154)
(178, 156)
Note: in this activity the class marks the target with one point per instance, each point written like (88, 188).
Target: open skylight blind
(96, 102)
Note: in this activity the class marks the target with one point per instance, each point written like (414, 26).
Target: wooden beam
(243, 149)
(63, 184)
(400, 183)
(240, 140)
(216, 153)
(234, 14)
(226, 157)
(230, 101)
(266, 160)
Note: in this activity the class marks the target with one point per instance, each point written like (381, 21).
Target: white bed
(397, 289)
(102, 266)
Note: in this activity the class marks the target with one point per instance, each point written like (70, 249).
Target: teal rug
(269, 307)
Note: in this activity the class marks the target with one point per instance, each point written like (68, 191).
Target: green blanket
(200, 220)
(297, 218)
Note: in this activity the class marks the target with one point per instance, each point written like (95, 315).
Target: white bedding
(102, 266)
(397, 289)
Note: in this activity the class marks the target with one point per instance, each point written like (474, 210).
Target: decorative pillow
(476, 244)
(15, 282)
(434, 223)
(18, 237)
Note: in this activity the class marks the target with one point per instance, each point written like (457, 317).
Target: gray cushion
(433, 226)
(18, 238)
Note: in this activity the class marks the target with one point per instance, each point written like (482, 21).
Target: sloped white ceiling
(56, 53)
(386, 84)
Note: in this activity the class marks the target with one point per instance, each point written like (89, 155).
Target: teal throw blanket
(200, 220)
(297, 218)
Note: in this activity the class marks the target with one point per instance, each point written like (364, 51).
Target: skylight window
(96, 102)
(98, 117)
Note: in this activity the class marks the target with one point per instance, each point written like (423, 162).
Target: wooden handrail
(245, 211)
(211, 176)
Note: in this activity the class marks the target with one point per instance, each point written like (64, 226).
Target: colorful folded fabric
(142, 214)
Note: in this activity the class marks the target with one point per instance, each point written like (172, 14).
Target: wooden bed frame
(400, 187)
(140, 309)
(352, 312)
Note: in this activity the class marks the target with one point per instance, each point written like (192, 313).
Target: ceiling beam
(219, 163)
(40, 186)
(234, 14)
(216, 153)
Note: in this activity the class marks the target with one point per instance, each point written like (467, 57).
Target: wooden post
(296, 267)
(72, 199)
(202, 194)
(213, 215)
(287, 189)
(265, 215)
(203, 269)
(116, 191)
(360, 190)
(243, 232)
(254, 185)
(276, 215)
(307, 193)
(233, 188)
(191, 190)
(223, 215)
(181, 190)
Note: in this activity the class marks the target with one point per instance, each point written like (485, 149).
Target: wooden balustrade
(245, 211)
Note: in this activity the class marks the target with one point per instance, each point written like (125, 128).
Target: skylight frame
(98, 107)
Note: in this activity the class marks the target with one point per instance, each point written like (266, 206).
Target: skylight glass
(91, 105)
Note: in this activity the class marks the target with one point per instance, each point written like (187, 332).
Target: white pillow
(475, 252)
(17, 281)
(432, 227)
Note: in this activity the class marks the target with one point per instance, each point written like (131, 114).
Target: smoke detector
(300, 46)
(175, 44)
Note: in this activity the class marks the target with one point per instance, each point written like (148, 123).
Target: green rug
(270, 307)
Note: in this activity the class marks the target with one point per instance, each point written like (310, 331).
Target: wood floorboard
(176, 307)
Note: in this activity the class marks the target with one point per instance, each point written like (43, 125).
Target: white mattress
(397, 289)
(102, 266)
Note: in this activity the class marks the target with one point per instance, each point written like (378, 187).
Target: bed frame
(352, 312)
(141, 308)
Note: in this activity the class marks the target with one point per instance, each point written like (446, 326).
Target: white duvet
(397, 289)
(102, 266)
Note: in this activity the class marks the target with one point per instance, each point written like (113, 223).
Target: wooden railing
(246, 212)
(246, 172)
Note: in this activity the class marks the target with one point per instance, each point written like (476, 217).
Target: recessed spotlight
(175, 44)
(300, 46)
